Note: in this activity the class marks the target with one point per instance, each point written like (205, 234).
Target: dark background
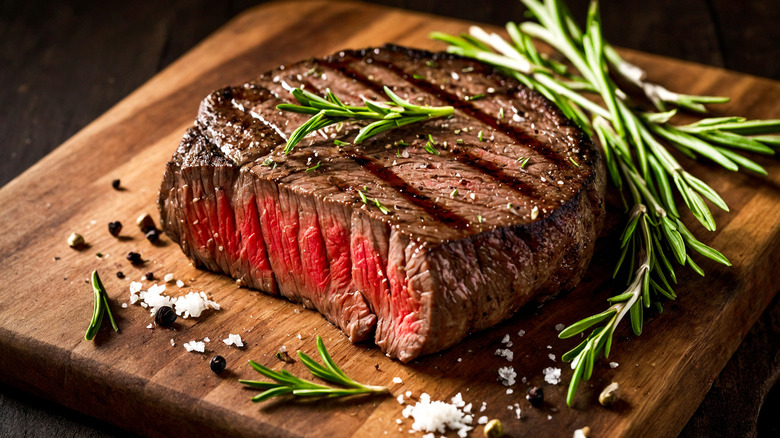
(62, 64)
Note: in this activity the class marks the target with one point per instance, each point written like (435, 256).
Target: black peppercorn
(165, 316)
(535, 396)
(120, 274)
(149, 276)
(114, 228)
(115, 184)
(218, 364)
(134, 258)
(153, 235)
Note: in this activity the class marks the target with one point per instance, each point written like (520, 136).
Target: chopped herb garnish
(267, 162)
(338, 142)
(468, 69)
(509, 206)
(319, 163)
(574, 162)
(479, 136)
(100, 308)
(430, 149)
(476, 96)
(459, 141)
(431, 64)
(454, 193)
(418, 76)
(501, 113)
(401, 143)
(479, 218)
(368, 201)
(524, 162)
(457, 131)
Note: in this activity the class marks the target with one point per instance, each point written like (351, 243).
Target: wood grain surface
(137, 380)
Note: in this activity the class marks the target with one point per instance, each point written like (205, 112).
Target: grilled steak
(506, 213)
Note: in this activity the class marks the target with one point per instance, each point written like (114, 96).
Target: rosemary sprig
(635, 147)
(100, 308)
(330, 110)
(287, 383)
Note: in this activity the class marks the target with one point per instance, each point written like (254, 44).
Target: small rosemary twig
(330, 110)
(99, 308)
(286, 383)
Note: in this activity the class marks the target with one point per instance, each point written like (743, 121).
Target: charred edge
(446, 216)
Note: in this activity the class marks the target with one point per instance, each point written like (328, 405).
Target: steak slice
(507, 212)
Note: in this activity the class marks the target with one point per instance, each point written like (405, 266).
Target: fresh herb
(574, 162)
(368, 201)
(501, 113)
(401, 143)
(523, 161)
(100, 307)
(269, 161)
(340, 143)
(287, 383)
(476, 97)
(431, 64)
(319, 163)
(429, 145)
(454, 193)
(479, 136)
(330, 110)
(459, 141)
(479, 218)
(418, 77)
(635, 145)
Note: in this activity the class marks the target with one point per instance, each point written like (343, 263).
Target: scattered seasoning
(429, 146)
(534, 213)
(574, 162)
(284, 357)
(168, 278)
(134, 258)
(115, 184)
(479, 218)
(319, 163)
(120, 275)
(165, 316)
(456, 132)
(523, 162)
(454, 193)
(217, 364)
(269, 161)
(149, 276)
(494, 429)
(76, 240)
(479, 136)
(582, 433)
(610, 394)
(99, 255)
(153, 235)
(535, 396)
(376, 365)
(145, 223)
(114, 228)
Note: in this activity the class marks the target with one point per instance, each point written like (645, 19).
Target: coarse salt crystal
(549, 417)
(509, 391)
(135, 287)
(483, 407)
(206, 339)
(398, 421)
(194, 345)
(552, 375)
(397, 380)
(559, 327)
(124, 305)
(482, 420)
(173, 343)
(613, 365)
(408, 393)
(437, 416)
(168, 278)
(150, 326)
(551, 356)
(299, 336)
(179, 283)
(521, 333)
(507, 375)
(505, 339)
(505, 353)
(579, 433)
(400, 399)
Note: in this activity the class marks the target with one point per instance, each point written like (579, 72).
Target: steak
(505, 213)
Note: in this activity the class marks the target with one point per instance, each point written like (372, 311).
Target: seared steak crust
(474, 233)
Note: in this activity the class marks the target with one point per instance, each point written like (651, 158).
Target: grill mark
(489, 169)
(489, 120)
(413, 195)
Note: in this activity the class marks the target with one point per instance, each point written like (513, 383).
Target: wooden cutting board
(138, 380)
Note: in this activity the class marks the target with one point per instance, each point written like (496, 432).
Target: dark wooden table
(62, 64)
